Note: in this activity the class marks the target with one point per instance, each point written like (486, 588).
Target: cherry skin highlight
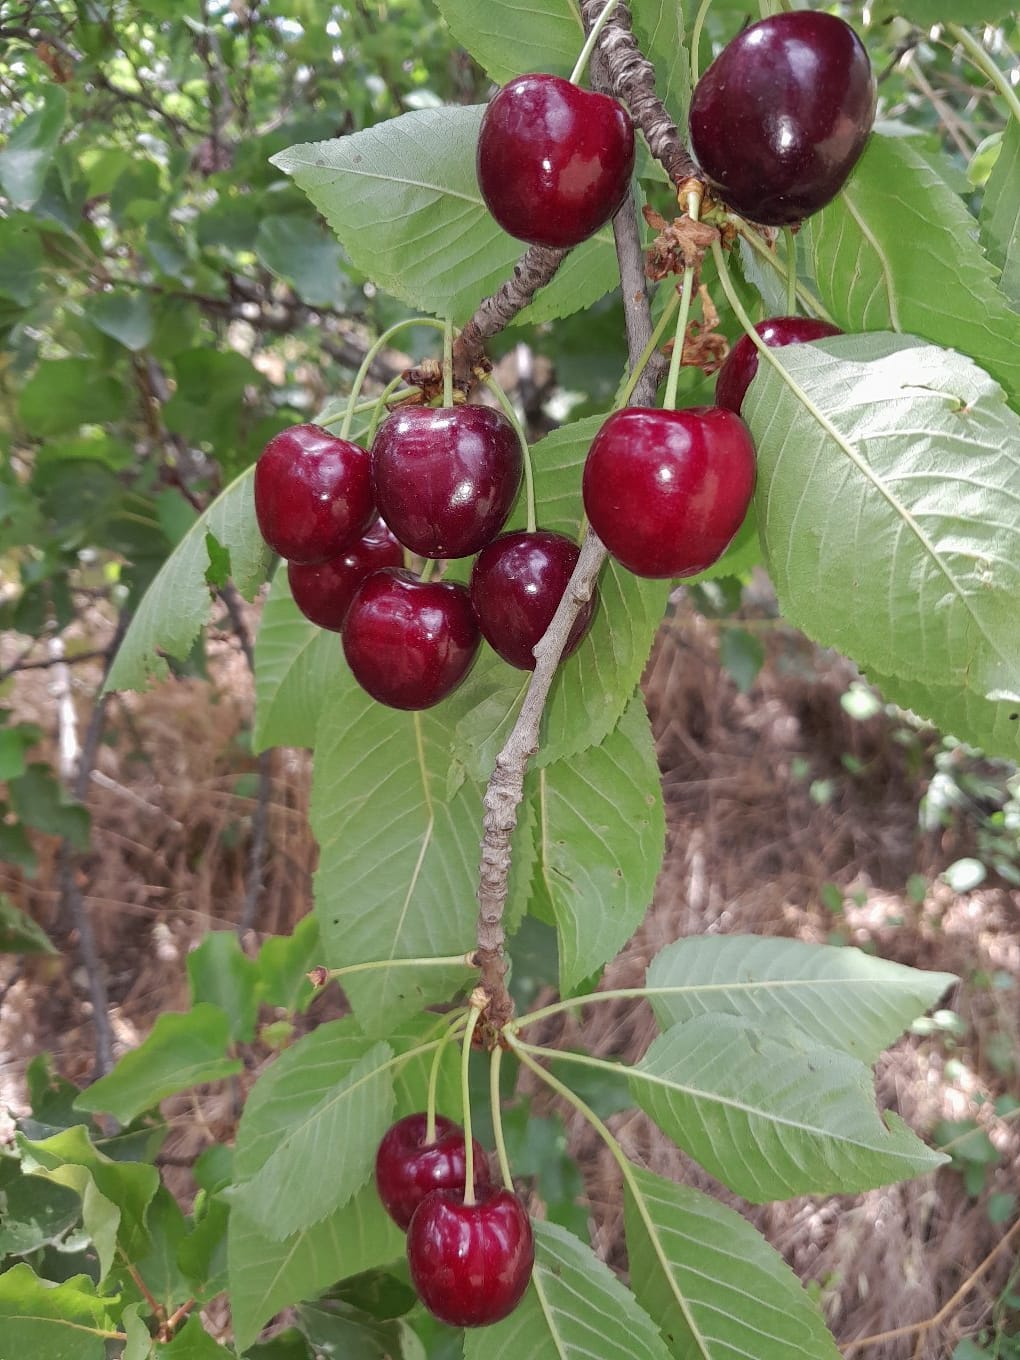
(407, 1168)
(516, 585)
(470, 1263)
(323, 591)
(667, 490)
(780, 118)
(742, 361)
(409, 643)
(554, 161)
(445, 477)
(313, 494)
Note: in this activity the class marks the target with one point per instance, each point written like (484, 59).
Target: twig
(532, 271)
(16, 667)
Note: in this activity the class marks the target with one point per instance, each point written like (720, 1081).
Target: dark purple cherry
(410, 643)
(323, 590)
(667, 490)
(470, 1263)
(516, 585)
(446, 477)
(742, 361)
(313, 493)
(554, 161)
(407, 1168)
(781, 116)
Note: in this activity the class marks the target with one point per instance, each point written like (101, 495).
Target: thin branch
(532, 271)
(16, 667)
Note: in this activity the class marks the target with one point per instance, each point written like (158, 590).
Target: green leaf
(713, 1285)
(659, 25)
(403, 200)
(296, 664)
(58, 1322)
(28, 155)
(575, 1308)
(887, 487)
(508, 37)
(925, 13)
(220, 972)
(124, 315)
(772, 1116)
(139, 1342)
(398, 861)
(1000, 213)
(742, 655)
(41, 802)
(300, 250)
(168, 1230)
(193, 1342)
(182, 1050)
(19, 934)
(65, 393)
(992, 726)
(284, 962)
(21, 258)
(876, 248)
(175, 606)
(838, 997)
(601, 840)
(35, 1213)
(338, 1328)
(267, 1275)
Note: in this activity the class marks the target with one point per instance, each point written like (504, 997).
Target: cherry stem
(437, 1058)
(465, 1091)
(449, 961)
(529, 473)
(495, 1063)
(634, 377)
(791, 271)
(366, 363)
(687, 292)
(738, 307)
(592, 38)
(980, 58)
(428, 570)
(370, 404)
(760, 248)
(699, 24)
(448, 363)
(380, 407)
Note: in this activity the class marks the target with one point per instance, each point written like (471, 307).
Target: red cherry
(516, 585)
(470, 1263)
(667, 490)
(410, 643)
(313, 493)
(742, 361)
(781, 116)
(446, 477)
(407, 1168)
(554, 161)
(323, 590)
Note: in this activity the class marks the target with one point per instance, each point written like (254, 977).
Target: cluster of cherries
(470, 1257)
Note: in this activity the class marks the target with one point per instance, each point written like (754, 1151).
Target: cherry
(742, 361)
(323, 590)
(407, 1168)
(470, 1263)
(313, 493)
(409, 643)
(781, 116)
(667, 490)
(445, 477)
(554, 161)
(516, 584)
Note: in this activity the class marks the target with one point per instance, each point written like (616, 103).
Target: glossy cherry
(742, 361)
(516, 584)
(667, 490)
(410, 643)
(313, 493)
(407, 1168)
(470, 1263)
(781, 116)
(323, 590)
(554, 161)
(445, 477)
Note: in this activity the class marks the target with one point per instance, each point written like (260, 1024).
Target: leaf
(713, 1285)
(221, 974)
(575, 1308)
(63, 394)
(182, 1050)
(403, 200)
(601, 840)
(876, 248)
(19, 934)
(659, 25)
(28, 155)
(139, 1343)
(58, 1322)
(125, 316)
(175, 606)
(267, 1275)
(284, 962)
(926, 13)
(296, 664)
(510, 37)
(398, 856)
(21, 258)
(837, 997)
(1000, 213)
(42, 802)
(35, 1213)
(338, 1328)
(772, 1116)
(992, 726)
(887, 494)
(298, 249)
(193, 1342)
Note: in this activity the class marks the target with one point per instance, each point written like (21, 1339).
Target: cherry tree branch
(532, 271)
